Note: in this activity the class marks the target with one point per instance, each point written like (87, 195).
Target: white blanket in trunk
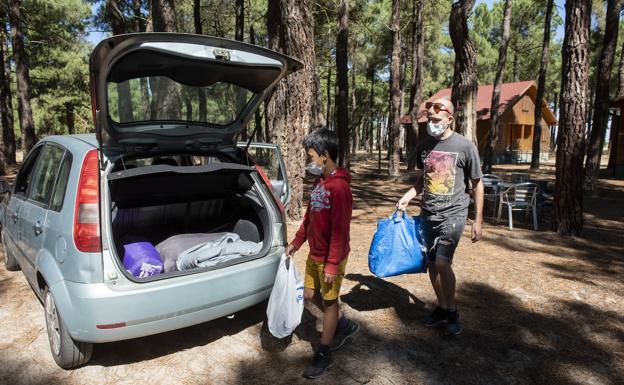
(221, 248)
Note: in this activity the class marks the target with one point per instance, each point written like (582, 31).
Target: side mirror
(4, 187)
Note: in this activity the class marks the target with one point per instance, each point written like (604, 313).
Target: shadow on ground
(503, 343)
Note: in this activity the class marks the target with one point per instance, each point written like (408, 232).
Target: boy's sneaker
(320, 363)
(437, 317)
(341, 335)
(453, 327)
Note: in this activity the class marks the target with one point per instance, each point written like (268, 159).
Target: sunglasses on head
(437, 107)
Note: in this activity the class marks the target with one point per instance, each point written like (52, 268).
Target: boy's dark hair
(323, 141)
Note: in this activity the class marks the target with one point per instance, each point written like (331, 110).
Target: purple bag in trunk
(142, 259)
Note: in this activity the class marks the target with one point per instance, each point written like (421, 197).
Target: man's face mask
(436, 129)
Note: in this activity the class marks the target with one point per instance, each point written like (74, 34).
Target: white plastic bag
(286, 302)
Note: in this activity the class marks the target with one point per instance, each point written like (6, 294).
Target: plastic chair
(521, 197)
(491, 186)
(520, 177)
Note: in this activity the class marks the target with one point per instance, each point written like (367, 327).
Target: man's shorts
(441, 237)
(315, 279)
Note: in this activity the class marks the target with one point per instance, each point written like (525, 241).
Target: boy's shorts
(315, 279)
(441, 237)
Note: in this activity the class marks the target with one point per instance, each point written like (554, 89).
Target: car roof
(74, 142)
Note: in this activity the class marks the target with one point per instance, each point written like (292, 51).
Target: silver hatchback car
(163, 163)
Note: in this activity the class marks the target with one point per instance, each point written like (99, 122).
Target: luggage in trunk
(156, 203)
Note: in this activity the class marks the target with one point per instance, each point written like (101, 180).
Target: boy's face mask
(315, 169)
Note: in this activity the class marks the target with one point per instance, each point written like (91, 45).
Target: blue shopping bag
(397, 247)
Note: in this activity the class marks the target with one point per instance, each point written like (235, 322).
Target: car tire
(9, 259)
(67, 352)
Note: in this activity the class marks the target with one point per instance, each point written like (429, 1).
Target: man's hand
(402, 204)
(329, 278)
(290, 250)
(476, 231)
(405, 199)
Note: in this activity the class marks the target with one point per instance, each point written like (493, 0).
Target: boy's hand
(476, 231)
(329, 278)
(290, 250)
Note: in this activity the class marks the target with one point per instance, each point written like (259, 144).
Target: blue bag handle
(402, 217)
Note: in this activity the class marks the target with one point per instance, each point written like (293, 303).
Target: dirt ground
(537, 309)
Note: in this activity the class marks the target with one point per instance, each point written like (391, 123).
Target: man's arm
(411, 193)
(477, 185)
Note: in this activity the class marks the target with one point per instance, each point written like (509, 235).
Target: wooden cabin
(516, 121)
(617, 147)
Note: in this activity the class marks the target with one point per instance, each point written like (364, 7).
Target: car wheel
(9, 260)
(67, 352)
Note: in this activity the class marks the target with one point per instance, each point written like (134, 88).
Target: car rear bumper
(105, 312)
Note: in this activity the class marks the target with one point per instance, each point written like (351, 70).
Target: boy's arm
(302, 235)
(340, 217)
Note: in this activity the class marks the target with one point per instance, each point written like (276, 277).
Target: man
(326, 228)
(449, 163)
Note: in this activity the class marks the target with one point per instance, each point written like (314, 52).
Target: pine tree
(568, 201)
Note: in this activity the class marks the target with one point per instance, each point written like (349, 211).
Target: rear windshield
(163, 99)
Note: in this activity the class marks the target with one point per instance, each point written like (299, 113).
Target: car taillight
(87, 212)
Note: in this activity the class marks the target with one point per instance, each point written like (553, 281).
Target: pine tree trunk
(568, 202)
(379, 144)
(257, 116)
(290, 26)
(116, 19)
(328, 119)
(355, 132)
(601, 98)
(342, 81)
(371, 104)
(395, 92)
(239, 28)
(166, 100)
(496, 90)
(7, 139)
(163, 16)
(464, 93)
(619, 93)
(403, 79)
(22, 75)
(70, 118)
(541, 88)
(317, 115)
(197, 21)
(139, 19)
(516, 65)
(140, 25)
(418, 54)
(201, 98)
(239, 34)
(620, 90)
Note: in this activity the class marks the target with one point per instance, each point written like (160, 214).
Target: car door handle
(14, 216)
(38, 228)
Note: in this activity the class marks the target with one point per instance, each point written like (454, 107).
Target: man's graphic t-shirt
(447, 166)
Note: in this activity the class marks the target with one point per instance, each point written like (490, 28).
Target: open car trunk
(155, 203)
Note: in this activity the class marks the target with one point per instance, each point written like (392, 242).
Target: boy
(326, 228)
